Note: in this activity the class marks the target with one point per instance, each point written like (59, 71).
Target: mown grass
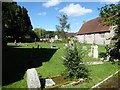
(112, 82)
(98, 73)
(55, 66)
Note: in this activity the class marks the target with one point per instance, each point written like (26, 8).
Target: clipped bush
(73, 63)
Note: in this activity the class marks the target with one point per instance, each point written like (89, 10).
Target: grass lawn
(54, 66)
(98, 73)
(113, 82)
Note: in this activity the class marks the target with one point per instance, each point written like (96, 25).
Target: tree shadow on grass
(15, 62)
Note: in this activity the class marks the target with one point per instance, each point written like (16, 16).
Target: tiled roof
(71, 34)
(93, 26)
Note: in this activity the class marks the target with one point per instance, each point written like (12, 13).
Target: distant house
(95, 32)
(69, 35)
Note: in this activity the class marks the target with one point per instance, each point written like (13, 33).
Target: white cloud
(75, 10)
(110, 1)
(51, 3)
(42, 13)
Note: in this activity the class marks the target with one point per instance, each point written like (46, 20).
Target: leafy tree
(15, 20)
(50, 34)
(64, 25)
(42, 33)
(72, 62)
(111, 16)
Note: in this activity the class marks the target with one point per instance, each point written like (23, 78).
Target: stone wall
(97, 38)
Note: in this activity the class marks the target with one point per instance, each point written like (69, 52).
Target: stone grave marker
(90, 54)
(15, 43)
(66, 45)
(49, 82)
(84, 48)
(33, 79)
(95, 51)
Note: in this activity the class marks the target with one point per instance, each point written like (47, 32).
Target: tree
(42, 33)
(111, 16)
(63, 26)
(15, 21)
(73, 62)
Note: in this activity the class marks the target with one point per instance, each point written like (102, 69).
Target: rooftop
(93, 26)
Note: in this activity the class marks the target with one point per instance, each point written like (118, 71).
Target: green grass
(42, 45)
(86, 58)
(112, 82)
(98, 73)
(55, 66)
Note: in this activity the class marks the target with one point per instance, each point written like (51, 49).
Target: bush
(72, 62)
(114, 54)
(102, 55)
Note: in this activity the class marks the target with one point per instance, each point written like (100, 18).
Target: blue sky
(44, 14)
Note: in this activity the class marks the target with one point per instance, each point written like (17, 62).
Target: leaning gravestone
(49, 82)
(95, 51)
(33, 79)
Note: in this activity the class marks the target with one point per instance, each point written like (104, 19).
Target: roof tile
(93, 26)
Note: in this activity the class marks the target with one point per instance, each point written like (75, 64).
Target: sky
(45, 14)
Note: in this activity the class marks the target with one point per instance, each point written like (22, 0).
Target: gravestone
(95, 51)
(84, 48)
(66, 45)
(56, 37)
(71, 43)
(49, 82)
(33, 79)
(15, 43)
(90, 54)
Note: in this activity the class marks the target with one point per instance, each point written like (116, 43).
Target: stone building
(95, 32)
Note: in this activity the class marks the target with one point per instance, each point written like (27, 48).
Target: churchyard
(54, 67)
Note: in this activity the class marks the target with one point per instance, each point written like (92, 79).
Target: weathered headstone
(84, 48)
(33, 79)
(95, 51)
(15, 43)
(71, 43)
(90, 54)
(56, 37)
(66, 45)
(49, 82)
